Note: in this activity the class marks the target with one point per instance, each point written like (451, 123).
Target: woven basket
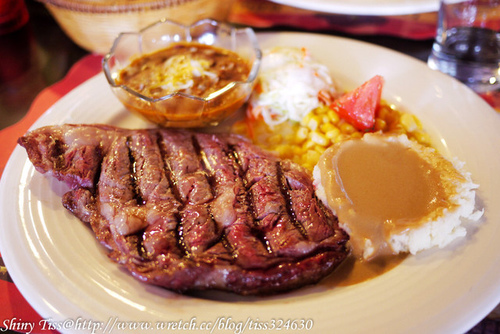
(94, 24)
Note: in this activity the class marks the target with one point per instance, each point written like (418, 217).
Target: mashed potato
(393, 195)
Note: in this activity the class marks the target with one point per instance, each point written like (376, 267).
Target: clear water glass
(467, 44)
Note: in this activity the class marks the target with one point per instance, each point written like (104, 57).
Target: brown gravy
(380, 188)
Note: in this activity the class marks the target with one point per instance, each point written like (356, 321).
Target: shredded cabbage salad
(289, 86)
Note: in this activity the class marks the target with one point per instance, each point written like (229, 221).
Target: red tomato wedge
(359, 106)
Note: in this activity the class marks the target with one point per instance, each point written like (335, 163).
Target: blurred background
(39, 52)
(33, 57)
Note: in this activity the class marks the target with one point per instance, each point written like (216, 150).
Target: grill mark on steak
(134, 179)
(193, 211)
(58, 151)
(117, 206)
(160, 203)
(285, 191)
(116, 195)
(311, 215)
(167, 169)
(205, 166)
(229, 208)
(95, 180)
(237, 163)
(197, 227)
(270, 212)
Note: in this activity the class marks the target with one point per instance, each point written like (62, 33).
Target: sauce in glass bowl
(191, 68)
(184, 76)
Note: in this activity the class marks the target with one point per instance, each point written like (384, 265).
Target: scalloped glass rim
(187, 29)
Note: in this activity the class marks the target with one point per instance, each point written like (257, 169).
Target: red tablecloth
(15, 312)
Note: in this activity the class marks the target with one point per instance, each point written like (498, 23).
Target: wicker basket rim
(113, 6)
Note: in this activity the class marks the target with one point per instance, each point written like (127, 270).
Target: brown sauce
(207, 73)
(380, 188)
(191, 68)
(354, 271)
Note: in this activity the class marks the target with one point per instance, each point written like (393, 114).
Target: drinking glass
(467, 43)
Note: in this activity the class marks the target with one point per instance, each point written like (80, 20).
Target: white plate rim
(365, 7)
(480, 291)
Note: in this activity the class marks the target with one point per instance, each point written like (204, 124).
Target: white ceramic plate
(65, 274)
(365, 7)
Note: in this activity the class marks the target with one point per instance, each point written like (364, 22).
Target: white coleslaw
(290, 85)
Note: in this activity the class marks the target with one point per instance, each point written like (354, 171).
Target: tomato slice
(359, 106)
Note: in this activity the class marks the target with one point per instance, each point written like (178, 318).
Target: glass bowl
(179, 109)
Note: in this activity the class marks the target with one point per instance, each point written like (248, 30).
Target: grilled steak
(192, 211)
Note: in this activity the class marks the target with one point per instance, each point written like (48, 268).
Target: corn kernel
(389, 115)
(289, 137)
(306, 119)
(321, 109)
(356, 135)
(313, 123)
(308, 145)
(282, 150)
(302, 134)
(327, 126)
(380, 124)
(384, 112)
(320, 149)
(312, 157)
(333, 116)
(417, 121)
(333, 134)
(341, 137)
(347, 128)
(408, 122)
(422, 137)
(296, 150)
(319, 138)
